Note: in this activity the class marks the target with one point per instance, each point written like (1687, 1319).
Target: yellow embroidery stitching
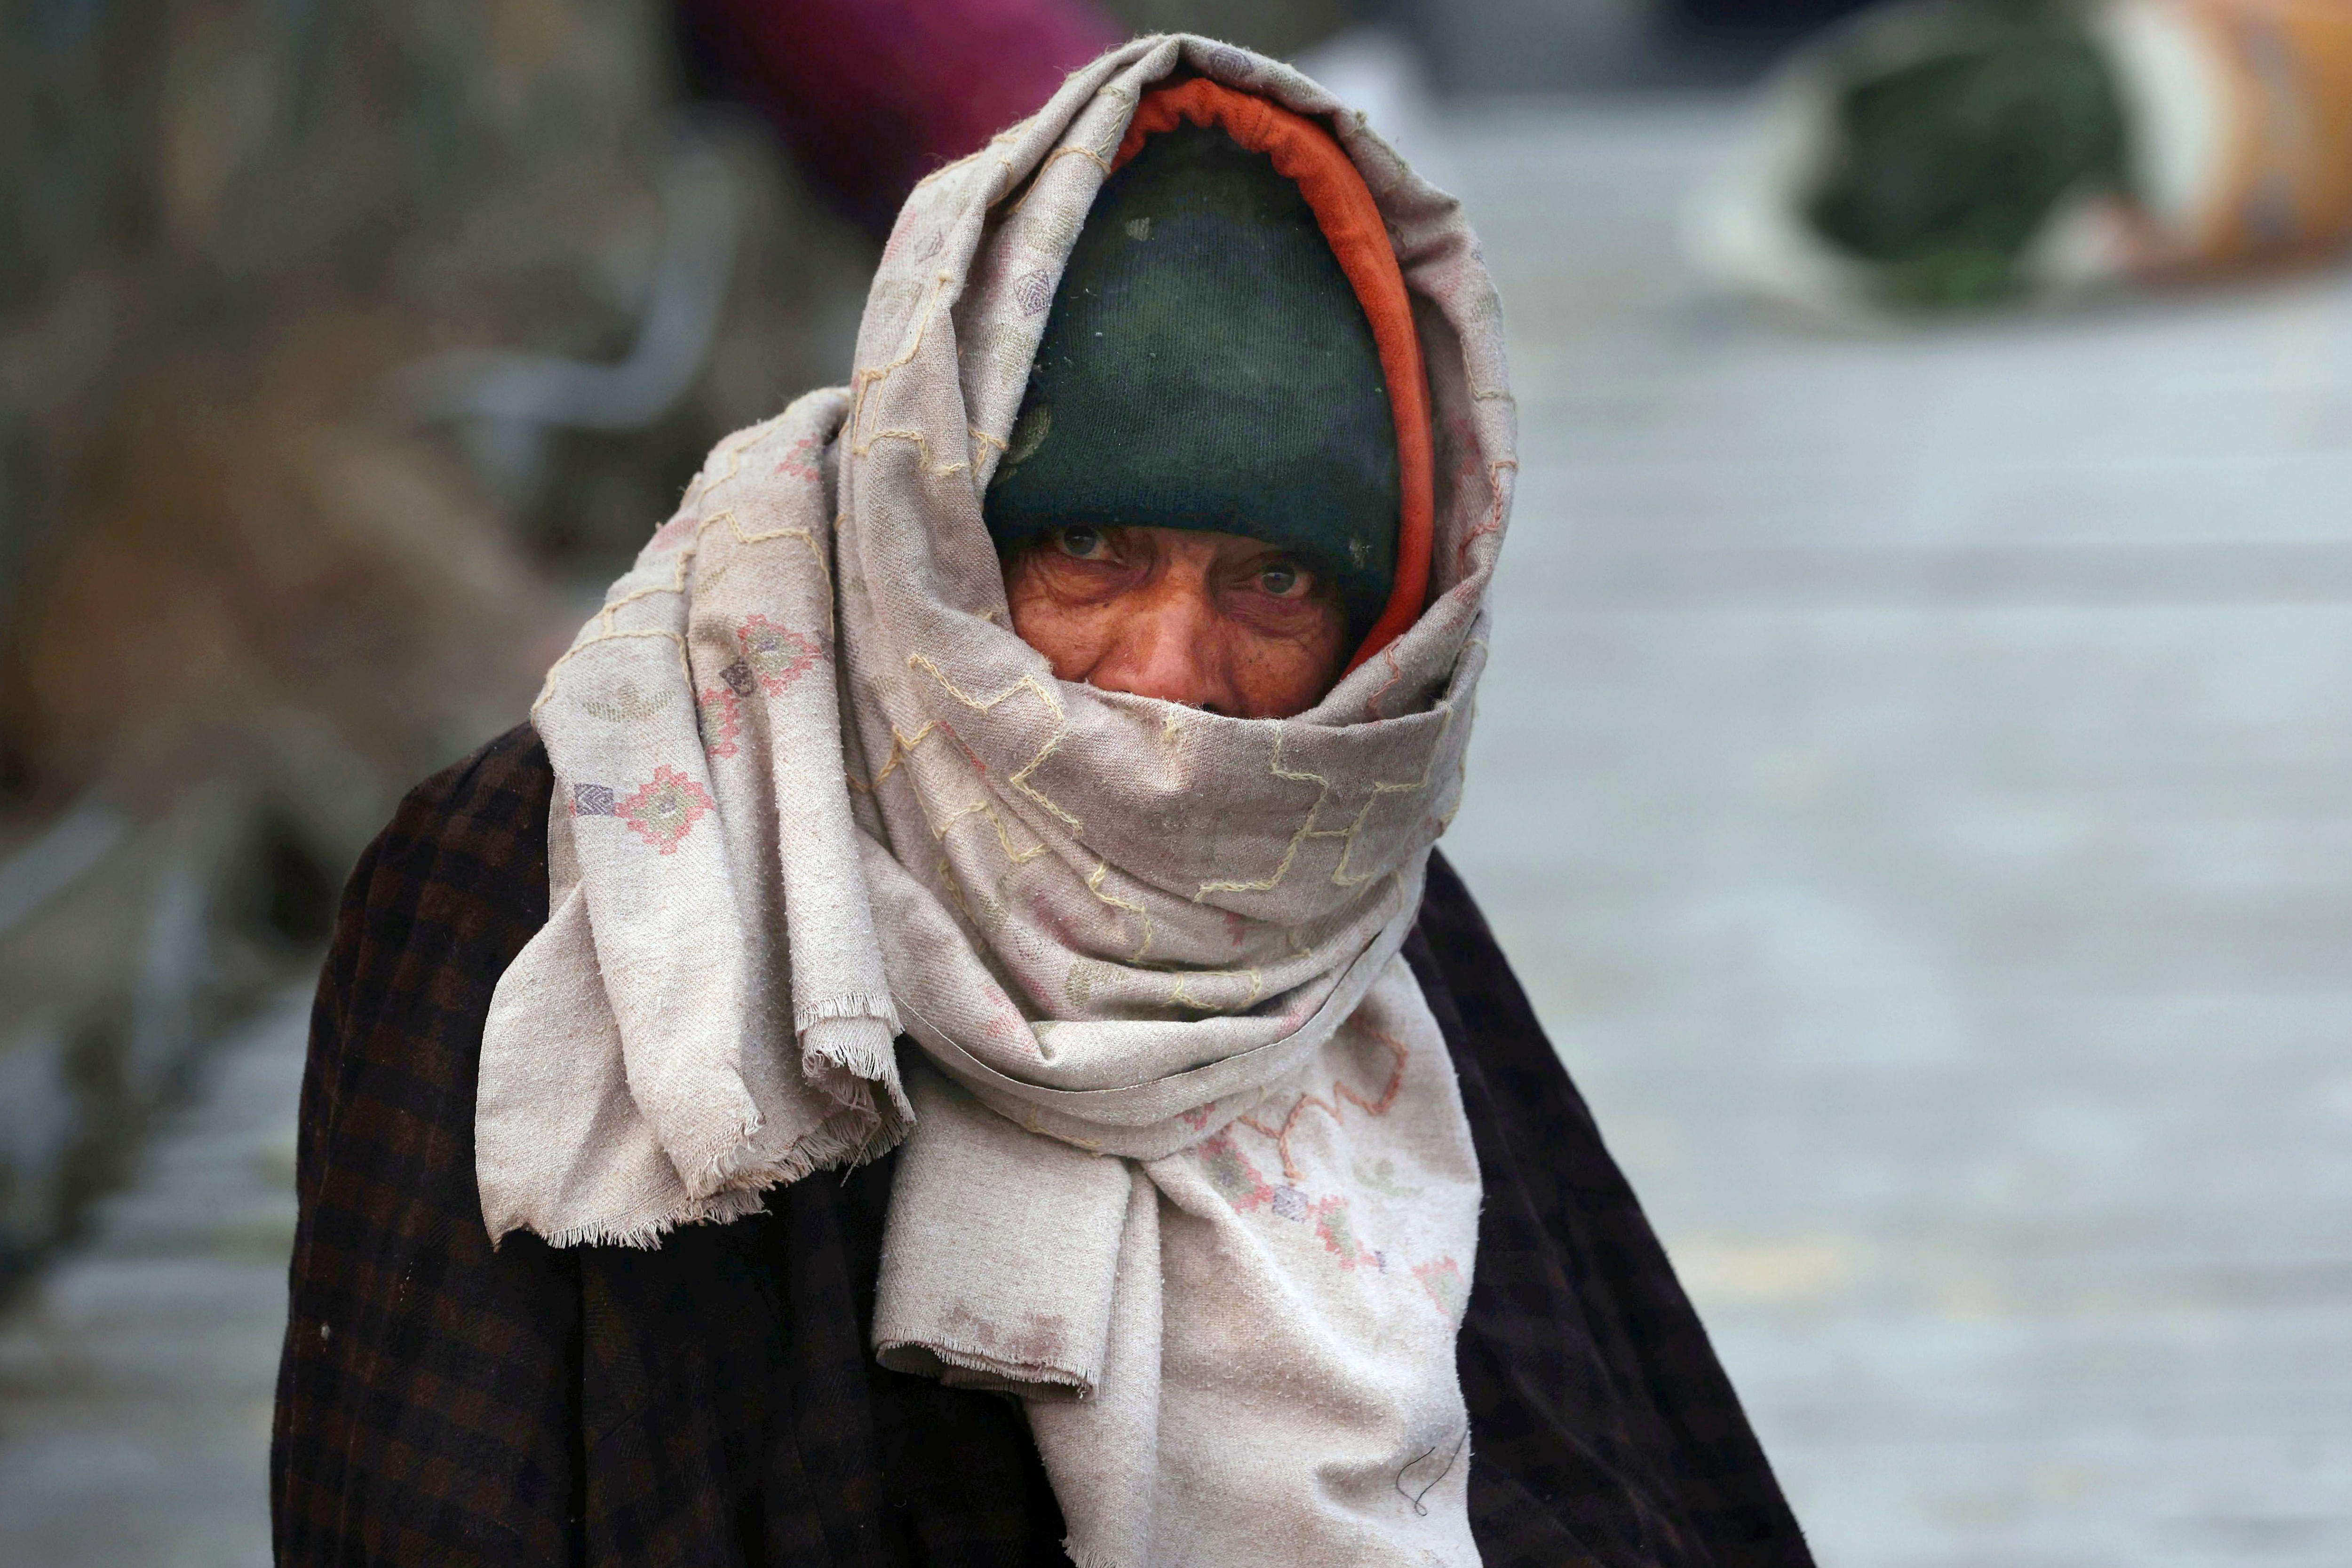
(1307, 830)
(1095, 886)
(695, 491)
(1180, 996)
(874, 374)
(922, 449)
(1036, 176)
(981, 808)
(1046, 694)
(679, 567)
(686, 555)
(547, 688)
(1290, 853)
(901, 743)
(1381, 787)
(902, 747)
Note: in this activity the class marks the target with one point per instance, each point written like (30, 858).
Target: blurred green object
(1948, 164)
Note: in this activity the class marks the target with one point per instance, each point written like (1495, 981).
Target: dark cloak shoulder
(712, 1402)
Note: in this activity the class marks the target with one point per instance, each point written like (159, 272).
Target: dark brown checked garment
(713, 1404)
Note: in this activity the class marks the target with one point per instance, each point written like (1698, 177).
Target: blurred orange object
(2283, 73)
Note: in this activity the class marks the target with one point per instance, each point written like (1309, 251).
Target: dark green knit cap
(1207, 366)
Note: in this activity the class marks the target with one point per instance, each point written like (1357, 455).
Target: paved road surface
(1914, 780)
(135, 1381)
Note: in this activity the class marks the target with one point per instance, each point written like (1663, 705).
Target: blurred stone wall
(259, 570)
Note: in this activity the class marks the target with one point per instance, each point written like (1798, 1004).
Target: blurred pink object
(874, 94)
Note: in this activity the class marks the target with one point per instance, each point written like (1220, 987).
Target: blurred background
(1914, 777)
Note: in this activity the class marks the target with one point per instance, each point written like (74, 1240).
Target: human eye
(1285, 580)
(1082, 542)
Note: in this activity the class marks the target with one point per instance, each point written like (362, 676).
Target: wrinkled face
(1215, 622)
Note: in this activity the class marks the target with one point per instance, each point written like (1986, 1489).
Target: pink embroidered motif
(1339, 1093)
(1442, 1279)
(1056, 924)
(674, 532)
(1230, 1172)
(970, 755)
(778, 655)
(722, 720)
(1492, 524)
(1396, 674)
(1337, 1232)
(798, 464)
(666, 810)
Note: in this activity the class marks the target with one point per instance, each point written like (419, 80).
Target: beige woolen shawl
(1186, 1167)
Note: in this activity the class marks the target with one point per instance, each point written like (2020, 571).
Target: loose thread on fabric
(1420, 1508)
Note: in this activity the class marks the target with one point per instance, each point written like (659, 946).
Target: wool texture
(1207, 365)
(1186, 1167)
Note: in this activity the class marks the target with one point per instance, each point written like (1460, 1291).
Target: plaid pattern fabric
(712, 1402)
(427, 1397)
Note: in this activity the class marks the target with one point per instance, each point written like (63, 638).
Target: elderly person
(946, 1041)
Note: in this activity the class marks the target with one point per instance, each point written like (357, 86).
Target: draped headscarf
(1185, 1165)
